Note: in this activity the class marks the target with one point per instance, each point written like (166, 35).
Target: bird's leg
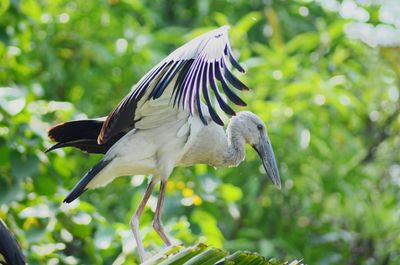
(135, 220)
(157, 218)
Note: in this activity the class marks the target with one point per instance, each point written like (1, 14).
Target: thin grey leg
(135, 220)
(157, 218)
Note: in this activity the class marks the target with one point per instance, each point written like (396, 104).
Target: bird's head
(254, 132)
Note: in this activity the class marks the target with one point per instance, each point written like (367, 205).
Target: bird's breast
(205, 145)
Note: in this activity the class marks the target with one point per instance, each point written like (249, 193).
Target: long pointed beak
(264, 150)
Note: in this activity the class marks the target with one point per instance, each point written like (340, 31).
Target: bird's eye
(260, 127)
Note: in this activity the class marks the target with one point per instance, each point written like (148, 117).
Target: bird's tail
(82, 185)
(81, 134)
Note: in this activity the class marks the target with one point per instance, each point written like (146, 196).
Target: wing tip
(241, 103)
(81, 187)
(218, 121)
(70, 198)
(73, 195)
(51, 148)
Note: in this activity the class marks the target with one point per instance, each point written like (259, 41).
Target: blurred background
(325, 77)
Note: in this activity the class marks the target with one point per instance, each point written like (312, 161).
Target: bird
(10, 251)
(170, 119)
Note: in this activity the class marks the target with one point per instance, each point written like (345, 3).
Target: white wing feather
(190, 73)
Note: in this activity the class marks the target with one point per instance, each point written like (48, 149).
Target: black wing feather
(232, 59)
(231, 95)
(164, 82)
(80, 187)
(194, 87)
(224, 106)
(213, 114)
(9, 247)
(177, 92)
(231, 78)
(199, 81)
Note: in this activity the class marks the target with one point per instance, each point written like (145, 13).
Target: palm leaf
(202, 254)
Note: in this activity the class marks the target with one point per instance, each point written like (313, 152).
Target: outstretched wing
(193, 70)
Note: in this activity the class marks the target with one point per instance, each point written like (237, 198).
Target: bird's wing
(192, 70)
(10, 251)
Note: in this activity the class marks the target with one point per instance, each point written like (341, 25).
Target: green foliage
(329, 96)
(205, 255)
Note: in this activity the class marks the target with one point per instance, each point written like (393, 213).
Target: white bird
(168, 120)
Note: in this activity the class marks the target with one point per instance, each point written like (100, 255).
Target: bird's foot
(160, 231)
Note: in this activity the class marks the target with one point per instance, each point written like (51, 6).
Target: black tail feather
(86, 145)
(75, 130)
(81, 134)
(81, 186)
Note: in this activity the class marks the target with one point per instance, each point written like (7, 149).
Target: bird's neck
(235, 151)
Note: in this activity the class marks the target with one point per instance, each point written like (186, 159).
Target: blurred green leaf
(230, 193)
(4, 5)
